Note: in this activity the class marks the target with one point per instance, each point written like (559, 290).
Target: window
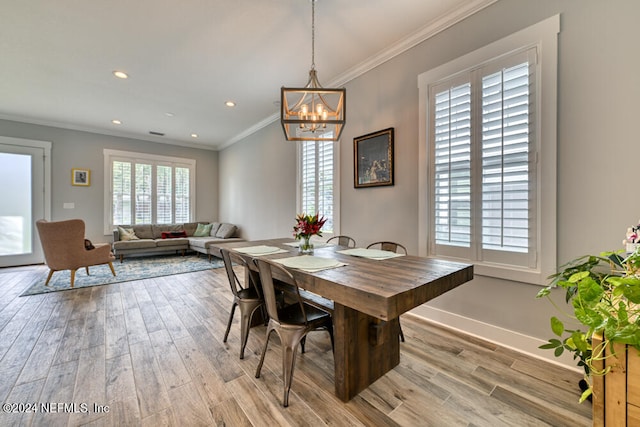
(489, 130)
(145, 189)
(318, 182)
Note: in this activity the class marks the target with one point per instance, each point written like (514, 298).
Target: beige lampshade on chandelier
(312, 113)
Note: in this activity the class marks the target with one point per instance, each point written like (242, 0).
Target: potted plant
(603, 293)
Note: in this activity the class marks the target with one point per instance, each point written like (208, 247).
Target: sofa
(147, 239)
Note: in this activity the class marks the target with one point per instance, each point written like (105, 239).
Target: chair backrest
(234, 282)
(268, 289)
(390, 246)
(344, 241)
(62, 243)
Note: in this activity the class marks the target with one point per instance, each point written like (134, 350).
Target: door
(24, 199)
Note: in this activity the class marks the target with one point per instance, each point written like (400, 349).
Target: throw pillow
(225, 231)
(127, 234)
(173, 234)
(203, 230)
(214, 229)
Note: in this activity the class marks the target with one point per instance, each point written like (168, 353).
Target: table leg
(366, 348)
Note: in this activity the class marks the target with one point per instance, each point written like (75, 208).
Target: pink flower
(308, 225)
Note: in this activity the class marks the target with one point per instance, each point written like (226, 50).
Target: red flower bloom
(308, 225)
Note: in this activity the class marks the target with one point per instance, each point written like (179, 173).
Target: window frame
(154, 160)
(543, 37)
(336, 184)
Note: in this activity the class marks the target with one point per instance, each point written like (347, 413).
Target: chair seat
(248, 294)
(290, 323)
(292, 314)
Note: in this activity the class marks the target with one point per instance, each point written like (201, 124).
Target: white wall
(597, 148)
(75, 149)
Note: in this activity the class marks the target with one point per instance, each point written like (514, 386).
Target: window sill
(503, 271)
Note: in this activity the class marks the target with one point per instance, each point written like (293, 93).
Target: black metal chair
(291, 323)
(391, 247)
(248, 298)
(343, 241)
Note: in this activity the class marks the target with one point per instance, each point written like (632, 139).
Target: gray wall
(259, 192)
(75, 149)
(597, 147)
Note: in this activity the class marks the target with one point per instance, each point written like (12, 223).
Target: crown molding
(108, 132)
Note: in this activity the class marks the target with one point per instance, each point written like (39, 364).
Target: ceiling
(186, 58)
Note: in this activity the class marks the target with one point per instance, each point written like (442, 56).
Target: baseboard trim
(495, 334)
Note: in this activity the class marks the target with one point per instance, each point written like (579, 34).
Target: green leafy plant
(604, 295)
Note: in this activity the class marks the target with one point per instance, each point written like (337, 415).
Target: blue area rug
(131, 269)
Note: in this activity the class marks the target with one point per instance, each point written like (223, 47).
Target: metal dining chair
(391, 247)
(291, 323)
(248, 298)
(343, 241)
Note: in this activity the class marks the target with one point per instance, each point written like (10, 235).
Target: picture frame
(373, 159)
(81, 177)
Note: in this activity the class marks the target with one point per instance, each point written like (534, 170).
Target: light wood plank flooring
(150, 353)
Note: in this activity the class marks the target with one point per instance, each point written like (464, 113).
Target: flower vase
(306, 247)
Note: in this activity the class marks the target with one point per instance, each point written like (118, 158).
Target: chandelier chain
(313, 34)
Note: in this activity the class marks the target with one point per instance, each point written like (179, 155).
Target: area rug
(130, 269)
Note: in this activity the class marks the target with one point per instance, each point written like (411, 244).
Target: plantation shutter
(317, 180)
(143, 194)
(325, 183)
(483, 163)
(309, 187)
(182, 201)
(147, 189)
(121, 190)
(505, 159)
(453, 166)
(164, 195)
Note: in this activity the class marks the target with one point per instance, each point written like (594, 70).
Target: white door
(24, 197)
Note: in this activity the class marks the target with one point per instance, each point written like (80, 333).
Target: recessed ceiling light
(116, 122)
(194, 135)
(120, 74)
(230, 104)
(168, 114)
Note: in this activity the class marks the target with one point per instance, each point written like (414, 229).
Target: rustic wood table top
(380, 288)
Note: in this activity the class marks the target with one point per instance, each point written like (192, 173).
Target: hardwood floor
(150, 353)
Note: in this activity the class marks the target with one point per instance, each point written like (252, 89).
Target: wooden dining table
(369, 295)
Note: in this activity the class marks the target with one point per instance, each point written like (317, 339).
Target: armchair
(64, 248)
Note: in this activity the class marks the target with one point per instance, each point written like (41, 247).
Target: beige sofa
(158, 238)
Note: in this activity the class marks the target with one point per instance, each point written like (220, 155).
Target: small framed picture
(81, 177)
(373, 159)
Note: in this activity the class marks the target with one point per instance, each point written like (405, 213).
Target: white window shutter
(452, 158)
(483, 201)
(147, 189)
(164, 195)
(505, 159)
(317, 180)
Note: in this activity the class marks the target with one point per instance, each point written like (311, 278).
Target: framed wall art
(373, 159)
(81, 177)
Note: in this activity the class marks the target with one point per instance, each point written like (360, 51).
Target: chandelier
(312, 113)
